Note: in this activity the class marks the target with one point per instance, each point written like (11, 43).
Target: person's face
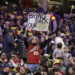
(26, 66)
(53, 47)
(34, 41)
(60, 21)
(7, 27)
(70, 37)
(41, 68)
(64, 37)
(1, 16)
(42, 39)
(10, 74)
(6, 14)
(43, 73)
(50, 69)
(61, 61)
(70, 58)
(72, 44)
(11, 33)
(57, 55)
(56, 66)
(3, 56)
(17, 74)
(47, 63)
(7, 69)
(43, 35)
(15, 56)
(70, 71)
(58, 73)
(18, 22)
(64, 29)
(22, 35)
(67, 49)
(22, 70)
(12, 23)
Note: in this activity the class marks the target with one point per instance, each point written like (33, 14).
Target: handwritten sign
(38, 21)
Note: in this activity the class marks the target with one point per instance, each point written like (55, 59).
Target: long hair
(67, 70)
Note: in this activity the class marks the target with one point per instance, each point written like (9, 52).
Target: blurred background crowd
(56, 46)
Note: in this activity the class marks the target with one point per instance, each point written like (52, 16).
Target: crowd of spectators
(54, 58)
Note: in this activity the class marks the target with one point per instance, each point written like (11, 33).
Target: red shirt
(34, 54)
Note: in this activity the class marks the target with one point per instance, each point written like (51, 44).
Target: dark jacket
(8, 44)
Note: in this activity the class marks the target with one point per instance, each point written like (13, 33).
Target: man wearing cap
(56, 65)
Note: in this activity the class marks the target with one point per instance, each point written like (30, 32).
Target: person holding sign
(34, 52)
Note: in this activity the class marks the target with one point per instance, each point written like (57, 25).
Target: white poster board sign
(38, 21)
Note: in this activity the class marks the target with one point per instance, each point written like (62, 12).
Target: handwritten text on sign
(38, 21)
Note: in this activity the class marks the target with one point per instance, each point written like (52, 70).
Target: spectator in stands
(66, 55)
(70, 71)
(57, 55)
(3, 60)
(62, 66)
(70, 61)
(57, 71)
(28, 71)
(23, 46)
(22, 70)
(16, 62)
(59, 46)
(7, 70)
(8, 43)
(34, 52)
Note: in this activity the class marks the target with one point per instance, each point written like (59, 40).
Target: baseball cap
(56, 61)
